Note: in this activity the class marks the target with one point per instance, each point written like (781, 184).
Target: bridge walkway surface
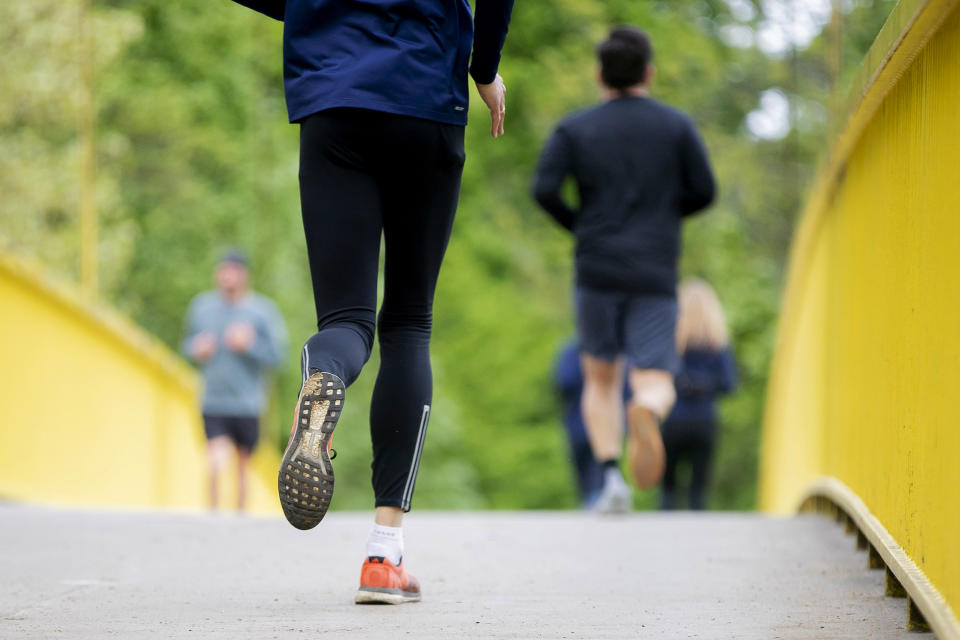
(102, 574)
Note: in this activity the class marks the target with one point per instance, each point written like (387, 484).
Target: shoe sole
(370, 595)
(305, 480)
(646, 452)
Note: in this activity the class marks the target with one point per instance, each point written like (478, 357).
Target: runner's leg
(701, 458)
(419, 186)
(603, 406)
(218, 451)
(668, 485)
(603, 416)
(243, 463)
(342, 222)
(246, 434)
(653, 396)
(601, 347)
(654, 390)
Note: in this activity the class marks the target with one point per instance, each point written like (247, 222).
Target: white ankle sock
(386, 542)
(613, 478)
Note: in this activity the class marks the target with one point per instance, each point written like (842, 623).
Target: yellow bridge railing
(863, 406)
(93, 411)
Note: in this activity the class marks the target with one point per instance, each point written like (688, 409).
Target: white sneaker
(616, 496)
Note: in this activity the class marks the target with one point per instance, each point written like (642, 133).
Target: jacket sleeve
(273, 8)
(190, 330)
(489, 33)
(727, 378)
(556, 163)
(698, 187)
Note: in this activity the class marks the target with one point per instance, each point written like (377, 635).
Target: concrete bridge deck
(93, 574)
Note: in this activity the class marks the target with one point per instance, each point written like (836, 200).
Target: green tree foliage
(194, 154)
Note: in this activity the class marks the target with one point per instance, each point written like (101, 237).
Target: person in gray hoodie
(235, 336)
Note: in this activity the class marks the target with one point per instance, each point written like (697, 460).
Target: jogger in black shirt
(640, 167)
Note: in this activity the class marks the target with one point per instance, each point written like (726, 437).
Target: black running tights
(364, 174)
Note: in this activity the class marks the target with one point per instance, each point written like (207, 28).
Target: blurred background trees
(193, 153)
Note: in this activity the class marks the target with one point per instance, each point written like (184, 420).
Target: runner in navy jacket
(379, 88)
(407, 57)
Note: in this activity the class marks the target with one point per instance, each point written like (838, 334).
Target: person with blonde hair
(707, 370)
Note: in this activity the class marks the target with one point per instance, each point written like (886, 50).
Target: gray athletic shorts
(642, 328)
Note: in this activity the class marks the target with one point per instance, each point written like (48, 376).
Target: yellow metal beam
(97, 412)
(871, 534)
(866, 350)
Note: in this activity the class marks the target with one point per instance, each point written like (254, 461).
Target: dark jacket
(407, 57)
(639, 166)
(704, 375)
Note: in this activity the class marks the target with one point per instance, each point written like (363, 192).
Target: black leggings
(692, 440)
(363, 174)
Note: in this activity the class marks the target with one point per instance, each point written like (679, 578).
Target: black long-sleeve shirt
(408, 57)
(640, 167)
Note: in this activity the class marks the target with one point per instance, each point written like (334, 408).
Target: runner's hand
(240, 337)
(493, 96)
(203, 346)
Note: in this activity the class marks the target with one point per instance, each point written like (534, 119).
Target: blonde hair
(700, 323)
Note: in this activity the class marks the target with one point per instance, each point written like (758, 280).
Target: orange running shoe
(645, 447)
(382, 582)
(305, 480)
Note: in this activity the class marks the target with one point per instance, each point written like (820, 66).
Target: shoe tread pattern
(305, 480)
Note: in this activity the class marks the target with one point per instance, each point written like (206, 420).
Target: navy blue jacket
(408, 57)
(704, 374)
